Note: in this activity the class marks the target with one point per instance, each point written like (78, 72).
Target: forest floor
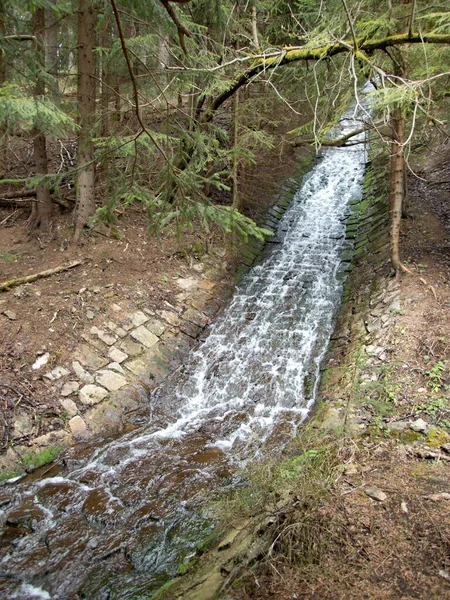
(376, 524)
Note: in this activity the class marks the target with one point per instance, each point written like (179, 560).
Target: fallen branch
(12, 283)
(20, 199)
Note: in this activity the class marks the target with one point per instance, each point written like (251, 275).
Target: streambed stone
(117, 355)
(105, 337)
(69, 406)
(138, 318)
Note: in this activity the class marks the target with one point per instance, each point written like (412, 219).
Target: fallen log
(19, 199)
(12, 283)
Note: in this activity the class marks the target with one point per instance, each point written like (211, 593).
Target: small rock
(419, 425)
(131, 348)
(397, 425)
(421, 390)
(81, 373)
(69, 406)
(138, 318)
(374, 350)
(438, 497)
(92, 394)
(116, 307)
(375, 494)
(69, 388)
(404, 508)
(21, 291)
(78, 427)
(90, 314)
(110, 380)
(188, 283)
(446, 448)
(117, 355)
(170, 317)
(57, 373)
(41, 361)
(10, 314)
(113, 366)
(144, 336)
(351, 469)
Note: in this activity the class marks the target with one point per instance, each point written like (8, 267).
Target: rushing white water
(255, 374)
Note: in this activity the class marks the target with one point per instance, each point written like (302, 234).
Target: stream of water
(115, 523)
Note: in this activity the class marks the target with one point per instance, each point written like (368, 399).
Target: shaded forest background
(169, 104)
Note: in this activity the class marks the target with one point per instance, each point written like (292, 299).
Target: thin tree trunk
(105, 90)
(85, 206)
(255, 26)
(235, 158)
(51, 46)
(397, 187)
(42, 209)
(3, 136)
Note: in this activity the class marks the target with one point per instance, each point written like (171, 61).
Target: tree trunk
(85, 206)
(3, 137)
(42, 209)
(51, 46)
(105, 80)
(397, 186)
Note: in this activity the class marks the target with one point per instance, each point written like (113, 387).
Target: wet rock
(92, 394)
(144, 336)
(25, 515)
(190, 329)
(89, 358)
(78, 427)
(375, 493)
(69, 406)
(10, 314)
(41, 361)
(111, 380)
(106, 338)
(57, 373)
(99, 505)
(81, 373)
(196, 317)
(419, 425)
(117, 355)
(138, 318)
(70, 387)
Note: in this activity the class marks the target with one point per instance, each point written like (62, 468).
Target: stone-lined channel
(114, 524)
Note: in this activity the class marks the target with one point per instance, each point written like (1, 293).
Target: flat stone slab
(69, 406)
(81, 373)
(131, 348)
(87, 357)
(117, 355)
(111, 380)
(57, 373)
(170, 317)
(92, 394)
(156, 327)
(144, 336)
(196, 317)
(138, 318)
(69, 388)
(188, 283)
(105, 337)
